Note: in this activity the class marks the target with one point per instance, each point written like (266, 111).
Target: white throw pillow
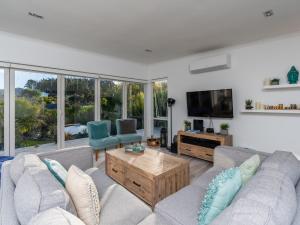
(84, 193)
(55, 216)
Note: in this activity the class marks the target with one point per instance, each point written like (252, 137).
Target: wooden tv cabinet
(201, 145)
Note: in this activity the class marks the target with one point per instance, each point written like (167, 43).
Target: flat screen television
(213, 103)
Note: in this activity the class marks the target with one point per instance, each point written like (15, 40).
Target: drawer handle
(187, 149)
(114, 170)
(136, 184)
(208, 154)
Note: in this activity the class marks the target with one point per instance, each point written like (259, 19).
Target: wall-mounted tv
(213, 103)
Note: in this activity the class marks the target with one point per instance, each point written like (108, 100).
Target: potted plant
(224, 128)
(187, 125)
(248, 105)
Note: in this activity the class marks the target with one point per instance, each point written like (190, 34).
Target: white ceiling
(171, 28)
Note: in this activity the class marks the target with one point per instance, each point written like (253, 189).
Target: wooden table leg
(97, 154)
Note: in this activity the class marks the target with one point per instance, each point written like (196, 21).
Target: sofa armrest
(227, 157)
(81, 157)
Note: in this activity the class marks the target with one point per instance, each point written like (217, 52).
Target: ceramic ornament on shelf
(293, 75)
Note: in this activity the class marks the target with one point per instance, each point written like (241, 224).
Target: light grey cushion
(36, 191)
(187, 201)
(154, 219)
(205, 179)
(285, 162)
(297, 216)
(268, 198)
(101, 180)
(119, 206)
(55, 216)
(7, 206)
(21, 162)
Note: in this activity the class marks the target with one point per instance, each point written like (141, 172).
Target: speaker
(198, 125)
(171, 102)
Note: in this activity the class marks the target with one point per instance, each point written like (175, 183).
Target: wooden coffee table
(151, 175)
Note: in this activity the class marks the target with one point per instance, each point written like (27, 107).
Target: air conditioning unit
(220, 62)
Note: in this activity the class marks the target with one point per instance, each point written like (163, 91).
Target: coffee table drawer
(139, 184)
(115, 170)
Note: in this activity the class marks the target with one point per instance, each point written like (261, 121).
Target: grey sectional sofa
(271, 197)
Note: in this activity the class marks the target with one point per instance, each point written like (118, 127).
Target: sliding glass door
(111, 93)
(35, 111)
(160, 108)
(135, 104)
(79, 109)
(1, 111)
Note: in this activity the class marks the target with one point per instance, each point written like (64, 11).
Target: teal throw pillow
(57, 170)
(219, 195)
(99, 130)
(249, 167)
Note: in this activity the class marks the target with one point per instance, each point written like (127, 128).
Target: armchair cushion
(129, 138)
(127, 126)
(98, 130)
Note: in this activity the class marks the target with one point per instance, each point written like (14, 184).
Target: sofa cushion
(154, 219)
(42, 192)
(129, 138)
(268, 198)
(187, 201)
(285, 162)
(101, 180)
(55, 216)
(21, 162)
(297, 216)
(205, 179)
(84, 194)
(219, 194)
(127, 126)
(57, 170)
(119, 206)
(249, 167)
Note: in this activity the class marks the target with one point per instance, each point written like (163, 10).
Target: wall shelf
(272, 111)
(281, 86)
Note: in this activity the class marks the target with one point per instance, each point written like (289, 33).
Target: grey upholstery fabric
(43, 192)
(205, 179)
(80, 157)
(120, 207)
(8, 214)
(268, 198)
(227, 157)
(187, 201)
(55, 216)
(127, 126)
(155, 219)
(297, 216)
(101, 180)
(23, 161)
(284, 162)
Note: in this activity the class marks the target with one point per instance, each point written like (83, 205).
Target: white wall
(19, 49)
(251, 64)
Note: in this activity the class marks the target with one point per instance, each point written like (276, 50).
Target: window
(1, 110)
(79, 109)
(111, 101)
(35, 111)
(160, 109)
(135, 104)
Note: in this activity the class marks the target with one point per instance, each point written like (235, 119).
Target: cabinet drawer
(115, 169)
(139, 184)
(197, 151)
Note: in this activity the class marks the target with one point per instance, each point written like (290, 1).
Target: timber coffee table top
(151, 161)
(151, 175)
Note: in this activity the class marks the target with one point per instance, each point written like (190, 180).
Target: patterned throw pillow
(85, 196)
(57, 170)
(219, 195)
(249, 167)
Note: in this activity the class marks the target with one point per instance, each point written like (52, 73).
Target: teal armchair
(99, 136)
(126, 131)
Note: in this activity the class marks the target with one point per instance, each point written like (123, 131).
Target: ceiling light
(35, 15)
(148, 50)
(268, 13)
